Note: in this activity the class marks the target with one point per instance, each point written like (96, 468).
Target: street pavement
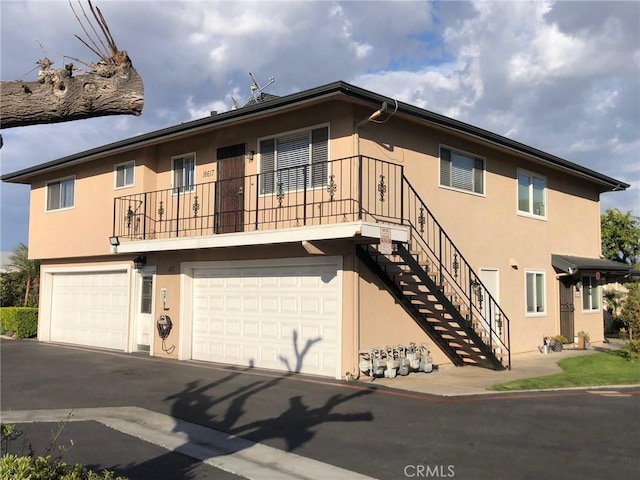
(151, 418)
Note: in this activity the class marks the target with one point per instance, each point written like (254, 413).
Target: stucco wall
(488, 229)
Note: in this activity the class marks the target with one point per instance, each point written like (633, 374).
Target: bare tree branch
(113, 87)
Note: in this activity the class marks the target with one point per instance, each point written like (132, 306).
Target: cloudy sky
(559, 76)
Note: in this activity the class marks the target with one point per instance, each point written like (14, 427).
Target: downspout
(356, 273)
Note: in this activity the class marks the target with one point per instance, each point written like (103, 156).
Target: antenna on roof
(235, 103)
(256, 90)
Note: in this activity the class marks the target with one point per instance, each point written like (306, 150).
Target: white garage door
(282, 317)
(90, 309)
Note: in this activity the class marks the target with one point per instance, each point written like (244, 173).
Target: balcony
(345, 191)
(356, 196)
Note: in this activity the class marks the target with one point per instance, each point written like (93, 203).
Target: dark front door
(230, 189)
(566, 309)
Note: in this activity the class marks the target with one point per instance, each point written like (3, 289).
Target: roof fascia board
(492, 138)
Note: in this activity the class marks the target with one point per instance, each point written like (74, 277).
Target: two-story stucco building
(292, 233)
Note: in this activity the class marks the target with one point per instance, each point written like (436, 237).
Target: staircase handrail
(474, 279)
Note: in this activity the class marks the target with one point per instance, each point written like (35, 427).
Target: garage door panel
(251, 328)
(90, 309)
(269, 304)
(277, 317)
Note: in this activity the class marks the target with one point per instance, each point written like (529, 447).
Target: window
(61, 194)
(288, 160)
(146, 295)
(590, 294)
(124, 174)
(461, 171)
(184, 170)
(535, 292)
(531, 194)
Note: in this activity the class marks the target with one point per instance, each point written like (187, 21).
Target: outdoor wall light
(251, 154)
(114, 241)
(139, 262)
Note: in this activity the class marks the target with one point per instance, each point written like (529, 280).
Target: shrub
(631, 351)
(12, 289)
(561, 339)
(21, 321)
(630, 311)
(47, 468)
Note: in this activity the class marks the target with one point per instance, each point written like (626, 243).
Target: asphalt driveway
(360, 428)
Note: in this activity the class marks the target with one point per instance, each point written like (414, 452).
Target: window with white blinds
(461, 171)
(292, 160)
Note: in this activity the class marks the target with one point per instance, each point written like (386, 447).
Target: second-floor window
(124, 174)
(461, 171)
(61, 194)
(287, 161)
(184, 173)
(532, 194)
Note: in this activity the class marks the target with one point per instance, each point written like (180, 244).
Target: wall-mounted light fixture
(114, 241)
(251, 154)
(139, 262)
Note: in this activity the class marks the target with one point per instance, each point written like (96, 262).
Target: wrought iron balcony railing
(348, 189)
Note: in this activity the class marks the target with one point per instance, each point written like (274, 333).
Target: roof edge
(339, 87)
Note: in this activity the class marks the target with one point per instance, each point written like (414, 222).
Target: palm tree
(29, 270)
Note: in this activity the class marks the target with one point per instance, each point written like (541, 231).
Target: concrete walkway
(451, 381)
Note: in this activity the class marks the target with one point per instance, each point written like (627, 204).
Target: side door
(144, 313)
(566, 309)
(230, 189)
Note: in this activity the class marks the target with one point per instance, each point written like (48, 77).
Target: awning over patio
(577, 265)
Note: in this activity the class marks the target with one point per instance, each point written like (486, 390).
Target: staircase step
(444, 312)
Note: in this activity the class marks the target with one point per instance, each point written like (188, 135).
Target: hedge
(22, 322)
(47, 468)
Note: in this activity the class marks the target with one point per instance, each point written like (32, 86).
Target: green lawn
(607, 368)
